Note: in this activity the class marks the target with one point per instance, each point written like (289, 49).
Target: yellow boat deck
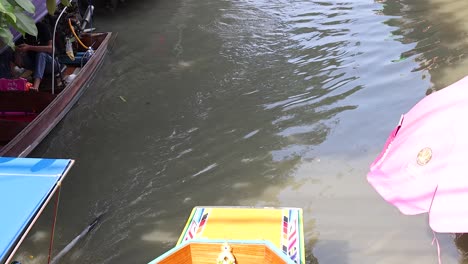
(241, 235)
(280, 226)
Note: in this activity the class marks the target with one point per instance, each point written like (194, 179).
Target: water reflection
(435, 32)
(200, 136)
(437, 29)
(461, 241)
(256, 102)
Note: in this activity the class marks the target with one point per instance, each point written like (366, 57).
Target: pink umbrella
(424, 164)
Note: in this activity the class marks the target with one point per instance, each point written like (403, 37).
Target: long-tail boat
(27, 117)
(241, 235)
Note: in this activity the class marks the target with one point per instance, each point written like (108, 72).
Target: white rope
(53, 49)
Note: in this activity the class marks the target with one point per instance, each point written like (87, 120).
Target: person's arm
(26, 47)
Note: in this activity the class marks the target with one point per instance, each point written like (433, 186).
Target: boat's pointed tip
(96, 221)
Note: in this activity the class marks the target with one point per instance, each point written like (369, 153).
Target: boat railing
(89, 50)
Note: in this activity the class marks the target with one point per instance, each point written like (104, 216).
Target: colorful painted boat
(27, 117)
(26, 187)
(240, 235)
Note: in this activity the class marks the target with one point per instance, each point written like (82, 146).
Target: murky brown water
(259, 103)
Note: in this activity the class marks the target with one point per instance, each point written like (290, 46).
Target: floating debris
(402, 58)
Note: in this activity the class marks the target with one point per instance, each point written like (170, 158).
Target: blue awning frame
(26, 187)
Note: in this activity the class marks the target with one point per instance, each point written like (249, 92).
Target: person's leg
(23, 60)
(43, 65)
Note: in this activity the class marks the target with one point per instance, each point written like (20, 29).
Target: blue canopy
(26, 184)
(41, 8)
(40, 12)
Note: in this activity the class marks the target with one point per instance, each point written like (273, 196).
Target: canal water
(252, 103)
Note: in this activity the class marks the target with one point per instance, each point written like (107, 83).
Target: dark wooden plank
(69, 70)
(31, 102)
(9, 129)
(94, 39)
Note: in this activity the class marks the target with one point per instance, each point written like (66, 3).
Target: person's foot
(37, 82)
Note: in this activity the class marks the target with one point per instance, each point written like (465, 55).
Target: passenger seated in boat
(5, 64)
(34, 53)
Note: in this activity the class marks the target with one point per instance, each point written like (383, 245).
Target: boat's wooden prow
(253, 235)
(210, 252)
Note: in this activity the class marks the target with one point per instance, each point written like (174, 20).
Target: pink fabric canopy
(424, 164)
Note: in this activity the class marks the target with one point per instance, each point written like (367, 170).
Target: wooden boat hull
(270, 233)
(29, 137)
(207, 252)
